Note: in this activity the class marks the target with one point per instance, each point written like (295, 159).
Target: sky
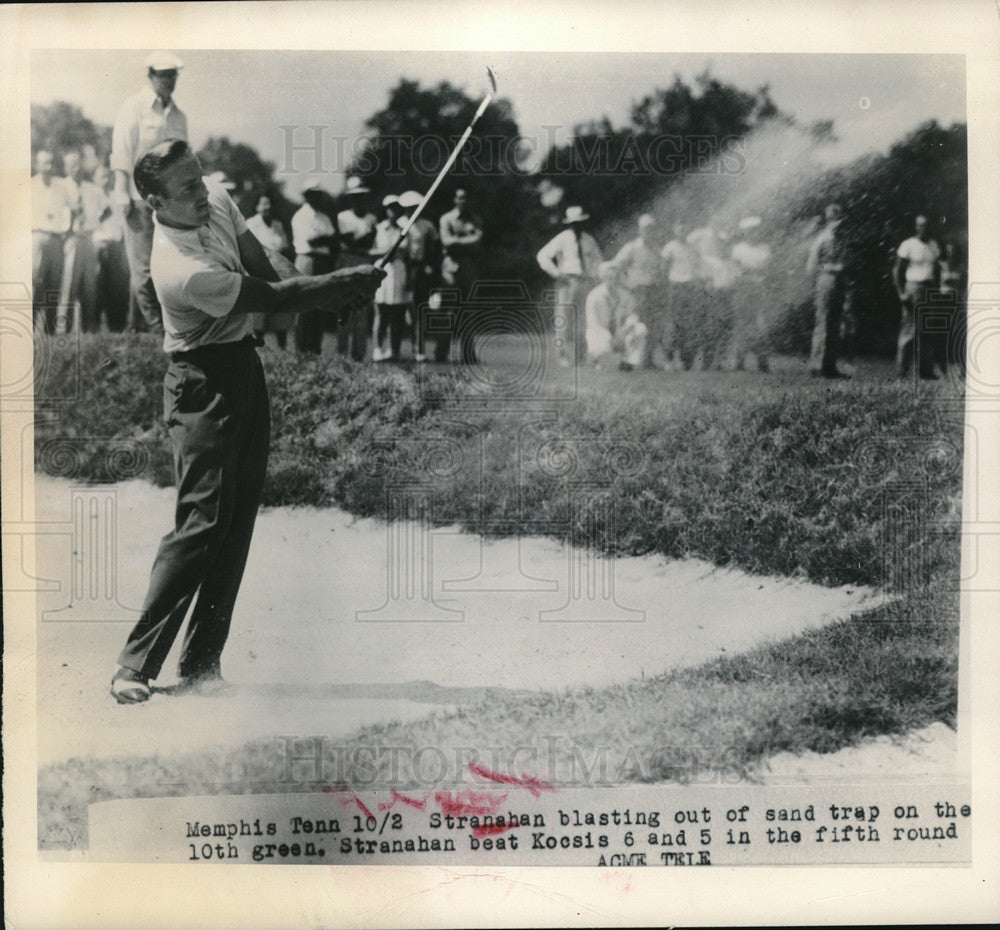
(247, 95)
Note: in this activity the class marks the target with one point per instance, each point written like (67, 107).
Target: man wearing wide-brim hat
(571, 259)
(356, 231)
(144, 120)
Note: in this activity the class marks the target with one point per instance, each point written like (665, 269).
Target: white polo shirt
(922, 257)
(197, 274)
(639, 263)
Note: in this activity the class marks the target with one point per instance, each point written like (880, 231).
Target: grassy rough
(777, 478)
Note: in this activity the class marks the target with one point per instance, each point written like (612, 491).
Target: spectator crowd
(670, 298)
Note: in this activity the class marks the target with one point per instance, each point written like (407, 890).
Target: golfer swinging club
(210, 274)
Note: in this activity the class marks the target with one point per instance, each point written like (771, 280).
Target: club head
(493, 80)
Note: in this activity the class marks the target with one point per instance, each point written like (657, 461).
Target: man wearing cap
(142, 121)
(315, 240)
(461, 242)
(571, 259)
(422, 251)
(828, 262)
(642, 275)
(356, 229)
(614, 330)
(211, 274)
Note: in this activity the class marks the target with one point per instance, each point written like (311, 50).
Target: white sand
(303, 661)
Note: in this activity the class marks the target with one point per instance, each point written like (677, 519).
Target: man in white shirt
(315, 239)
(642, 274)
(614, 330)
(751, 256)
(109, 242)
(270, 233)
(915, 274)
(144, 120)
(52, 206)
(717, 275)
(356, 229)
(571, 259)
(211, 274)
(461, 241)
(79, 286)
(423, 262)
(680, 259)
(828, 260)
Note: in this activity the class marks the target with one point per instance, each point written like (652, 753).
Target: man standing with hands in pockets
(572, 259)
(144, 120)
(211, 274)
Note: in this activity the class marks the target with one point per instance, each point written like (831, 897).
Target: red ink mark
(468, 802)
(353, 799)
(535, 785)
(396, 796)
(493, 829)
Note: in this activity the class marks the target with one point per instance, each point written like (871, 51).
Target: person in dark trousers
(461, 242)
(315, 240)
(211, 274)
(828, 262)
(356, 231)
(915, 274)
(422, 251)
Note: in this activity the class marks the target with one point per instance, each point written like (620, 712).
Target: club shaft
(385, 259)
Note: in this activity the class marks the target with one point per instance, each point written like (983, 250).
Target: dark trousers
(145, 306)
(113, 284)
(653, 310)
(83, 285)
(391, 322)
(915, 342)
(216, 409)
(46, 276)
(458, 283)
(423, 287)
(354, 327)
(831, 293)
(309, 325)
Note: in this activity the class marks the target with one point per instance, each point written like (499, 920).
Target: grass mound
(789, 478)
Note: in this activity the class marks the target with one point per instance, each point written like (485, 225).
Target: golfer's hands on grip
(365, 278)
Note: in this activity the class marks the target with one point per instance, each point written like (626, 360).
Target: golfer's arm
(294, 295)
(254, 258)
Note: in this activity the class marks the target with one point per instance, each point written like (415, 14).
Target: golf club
(385, 259)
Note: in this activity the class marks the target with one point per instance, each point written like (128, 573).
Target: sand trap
(320, 647)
